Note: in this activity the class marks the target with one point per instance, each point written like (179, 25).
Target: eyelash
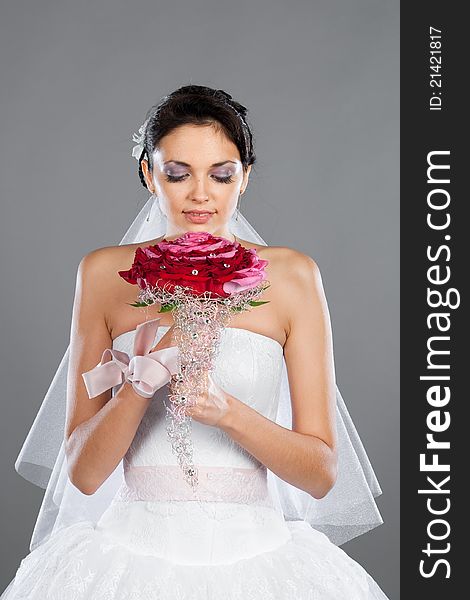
(176, 179)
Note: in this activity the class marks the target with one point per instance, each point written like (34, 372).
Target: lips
(198, 216)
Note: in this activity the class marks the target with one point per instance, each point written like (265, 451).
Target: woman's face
(197, 168)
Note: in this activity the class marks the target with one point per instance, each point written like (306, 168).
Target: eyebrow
(184, 164)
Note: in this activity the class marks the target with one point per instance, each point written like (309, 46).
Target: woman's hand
(213, 407)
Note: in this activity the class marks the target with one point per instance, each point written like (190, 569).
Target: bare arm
(305, 456)
(98, 430)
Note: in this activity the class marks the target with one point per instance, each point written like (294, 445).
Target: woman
(276, 500)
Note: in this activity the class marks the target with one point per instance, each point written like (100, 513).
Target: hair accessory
(139, 138)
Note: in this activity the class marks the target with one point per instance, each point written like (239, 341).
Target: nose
(199, 191)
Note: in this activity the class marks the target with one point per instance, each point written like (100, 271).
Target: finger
(190, 411)
(193, 409)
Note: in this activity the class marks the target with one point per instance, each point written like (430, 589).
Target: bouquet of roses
(203, 279)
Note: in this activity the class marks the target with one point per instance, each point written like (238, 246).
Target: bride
(283, 476)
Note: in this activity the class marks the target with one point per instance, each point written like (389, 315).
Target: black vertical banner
(435, 238)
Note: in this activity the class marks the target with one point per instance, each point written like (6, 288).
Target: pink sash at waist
(216, 484)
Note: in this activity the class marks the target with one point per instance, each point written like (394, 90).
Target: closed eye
(176, 179)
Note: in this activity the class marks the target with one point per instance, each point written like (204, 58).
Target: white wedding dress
(155, 542)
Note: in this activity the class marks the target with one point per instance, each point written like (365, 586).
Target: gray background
(321, 81)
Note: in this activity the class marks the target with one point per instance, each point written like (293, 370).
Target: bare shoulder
(296, 282)
(294, 259)
(301, 269)
(99, 271)
(101, 264)
(293, 265)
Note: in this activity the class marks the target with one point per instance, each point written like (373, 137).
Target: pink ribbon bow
(147, 372)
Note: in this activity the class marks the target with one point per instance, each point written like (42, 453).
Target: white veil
(347, 511)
